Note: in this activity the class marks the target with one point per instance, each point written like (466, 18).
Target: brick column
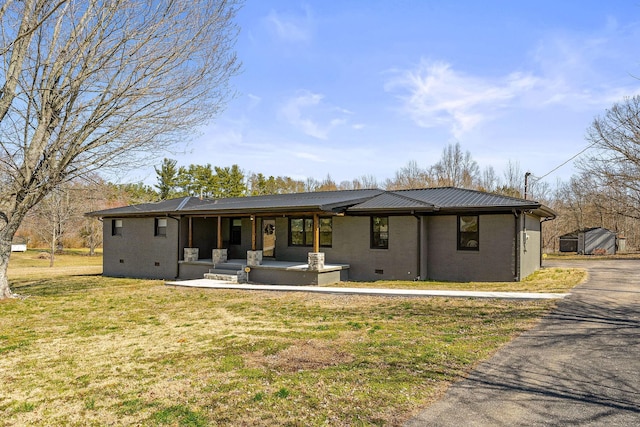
(219, 256)
(254, 258)
(191, 254)
(316, 261)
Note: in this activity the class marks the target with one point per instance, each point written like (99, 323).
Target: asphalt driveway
(580, 366)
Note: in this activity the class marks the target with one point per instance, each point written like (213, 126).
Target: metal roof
(331, 201)
(446, 199)
(390, 201)
(163, 207)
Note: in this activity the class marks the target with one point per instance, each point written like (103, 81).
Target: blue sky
(351, 88)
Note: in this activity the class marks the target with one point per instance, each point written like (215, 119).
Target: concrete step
(227, 277)
(229, 266)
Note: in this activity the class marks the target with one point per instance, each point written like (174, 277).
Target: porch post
(219, 255)
(190, 232)
(254, 257)
(253, 232)
(316, 233)
(315, 259)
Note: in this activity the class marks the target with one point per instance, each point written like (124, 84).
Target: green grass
(81, 349)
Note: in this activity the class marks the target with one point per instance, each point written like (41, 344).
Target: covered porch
(244, 248)
(269, 272)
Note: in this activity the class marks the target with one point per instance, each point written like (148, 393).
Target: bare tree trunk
(5, 253)
(53, 245)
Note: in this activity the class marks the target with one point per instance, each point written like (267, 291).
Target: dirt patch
(304, 355)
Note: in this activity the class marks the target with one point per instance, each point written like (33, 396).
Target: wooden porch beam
(190, 245)
(253, 232)
(316, 233)
(219, 236)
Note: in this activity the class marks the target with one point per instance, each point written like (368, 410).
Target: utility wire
(636, 115)
(538, 178)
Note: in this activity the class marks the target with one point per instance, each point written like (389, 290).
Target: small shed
(18, 245)
(589, 241)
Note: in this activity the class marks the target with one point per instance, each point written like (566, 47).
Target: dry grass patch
(300, 356)
(88, 350)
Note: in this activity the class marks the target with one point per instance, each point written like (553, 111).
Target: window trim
(373, 232)
(461, 234)
(307, 234)
(116, 230)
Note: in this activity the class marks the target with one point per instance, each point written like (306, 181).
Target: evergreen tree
(231, 182)
(167, 176)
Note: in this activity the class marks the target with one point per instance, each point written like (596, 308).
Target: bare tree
(614, 160)
(489, 181)
(513, 180)
(409, 176)
(54, 214)
(456, 168)
(91, 84)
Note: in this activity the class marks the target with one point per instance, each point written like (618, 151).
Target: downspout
(517, 247)
(422, 250)
(419, 251)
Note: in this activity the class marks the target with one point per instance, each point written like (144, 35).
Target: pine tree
(167, 176)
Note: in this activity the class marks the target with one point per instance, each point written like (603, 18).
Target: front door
(269, 237)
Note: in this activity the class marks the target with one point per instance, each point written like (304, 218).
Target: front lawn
(86, 350)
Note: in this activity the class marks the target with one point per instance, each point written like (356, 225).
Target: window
(326, 232)
(468, 235)
(235, 237)
(161, 227)
(301, 232)
(379, 232)
(116, 227)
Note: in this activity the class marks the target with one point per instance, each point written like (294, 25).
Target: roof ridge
(408, 198)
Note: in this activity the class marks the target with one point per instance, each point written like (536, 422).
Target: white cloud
(582, 72)
(573, 71)
(290, 28)
(436, 95)
(254, 101)
(309, 156)
(307, 112)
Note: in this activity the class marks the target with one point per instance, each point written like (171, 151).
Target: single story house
(447, 234)
(589, 241)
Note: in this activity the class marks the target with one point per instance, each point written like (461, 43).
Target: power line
(538, 178)
(627, 122)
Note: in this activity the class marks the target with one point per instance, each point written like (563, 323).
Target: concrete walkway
(580, 366)
(219, 284)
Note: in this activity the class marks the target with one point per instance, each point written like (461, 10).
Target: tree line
(455, 168)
